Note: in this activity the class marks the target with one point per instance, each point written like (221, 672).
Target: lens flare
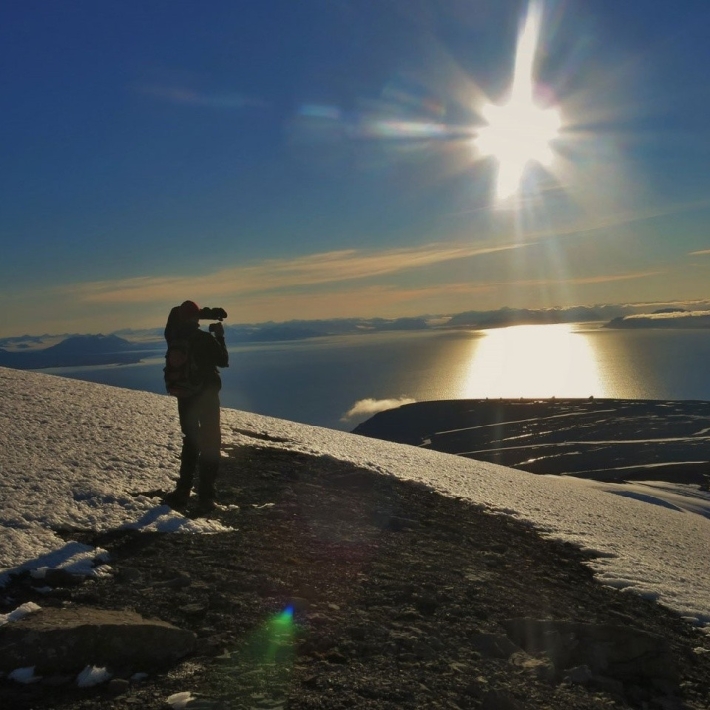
(519, 131)
(261, 664)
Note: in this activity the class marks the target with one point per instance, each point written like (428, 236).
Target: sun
(519, 131)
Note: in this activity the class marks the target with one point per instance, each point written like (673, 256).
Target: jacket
(209, 351)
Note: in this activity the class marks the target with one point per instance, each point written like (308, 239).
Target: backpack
(181, 372)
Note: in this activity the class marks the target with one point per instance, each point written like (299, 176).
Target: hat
(189, 310)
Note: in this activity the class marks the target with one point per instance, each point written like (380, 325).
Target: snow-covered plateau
(82, 456)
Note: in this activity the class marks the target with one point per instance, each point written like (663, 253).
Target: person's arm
(221, 356)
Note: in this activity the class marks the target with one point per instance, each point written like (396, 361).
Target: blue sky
(323, 158)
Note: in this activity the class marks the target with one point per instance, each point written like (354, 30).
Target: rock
(493, 645)
(58, 679)
(63, 578)
(608, 685)
(500, 700)
(426, 604)
(179, 582)
(621, 652)
(398, 524)
(68, 639)
(300, 604)
(580, 675)
(118, 686)
(129, 575)
(541, 668)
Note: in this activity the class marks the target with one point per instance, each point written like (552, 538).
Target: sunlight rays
(519, 131)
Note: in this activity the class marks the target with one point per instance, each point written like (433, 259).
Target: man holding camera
(198, 406)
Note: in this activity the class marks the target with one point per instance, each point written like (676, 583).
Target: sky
(348, 158)
(76, 455)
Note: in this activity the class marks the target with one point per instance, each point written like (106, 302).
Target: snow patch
(24, 675)
(19, 613)
(91, 676)
(179, 701)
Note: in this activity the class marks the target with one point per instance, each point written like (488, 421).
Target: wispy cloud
(368, 407)
(279, 275)
(701, 252)
(183, 95)
(594, 279)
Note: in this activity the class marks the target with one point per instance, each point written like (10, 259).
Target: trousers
(201, 443)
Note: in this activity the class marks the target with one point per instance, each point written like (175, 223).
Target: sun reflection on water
(532, 361)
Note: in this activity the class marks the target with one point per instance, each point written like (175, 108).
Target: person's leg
(210, 445)
(188, 410)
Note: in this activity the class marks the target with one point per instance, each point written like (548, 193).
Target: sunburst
(519, 130)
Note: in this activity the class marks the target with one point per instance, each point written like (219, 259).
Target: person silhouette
(199, 409)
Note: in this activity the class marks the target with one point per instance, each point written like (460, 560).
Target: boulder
(68, 639)
(493, 645)
(621, 652)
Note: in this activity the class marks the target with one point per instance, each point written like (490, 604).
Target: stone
(129, 575)
(500, 700)
(541, 668)
(622, 652)
(63, 578)
(398, 524)
(493, 645)
(580, 675)
(59, 640)
(118, 686)
(179, 582)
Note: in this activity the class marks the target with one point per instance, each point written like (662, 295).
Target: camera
(208, 313)
(216, 328)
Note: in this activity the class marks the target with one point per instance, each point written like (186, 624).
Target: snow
(78, 455)
(21, 611)
(24, 675)
(179, 701)
(92, 676)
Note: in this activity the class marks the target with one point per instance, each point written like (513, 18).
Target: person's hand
(217, 329)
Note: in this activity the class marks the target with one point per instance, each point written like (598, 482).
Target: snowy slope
(78, 455)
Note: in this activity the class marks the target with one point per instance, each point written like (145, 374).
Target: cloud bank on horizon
(658, 314)
(341, 172)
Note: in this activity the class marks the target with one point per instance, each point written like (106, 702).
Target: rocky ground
(603, 439)
(341, 588)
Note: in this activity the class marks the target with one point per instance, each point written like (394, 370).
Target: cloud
(278, 275)
(368, 407)
(701, 252)
(183, 95)
(337, 284)
(596, 279)
(673, 316)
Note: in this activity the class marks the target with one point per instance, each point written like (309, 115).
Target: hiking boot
(206, 505)
(177, 499)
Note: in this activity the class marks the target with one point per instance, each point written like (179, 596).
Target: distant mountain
(304, 329)
(33, 352)
(75, 351)
(525, 316)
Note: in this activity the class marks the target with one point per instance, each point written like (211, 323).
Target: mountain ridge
(74, 351)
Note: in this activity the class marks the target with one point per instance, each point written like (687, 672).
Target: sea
(338, 382)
